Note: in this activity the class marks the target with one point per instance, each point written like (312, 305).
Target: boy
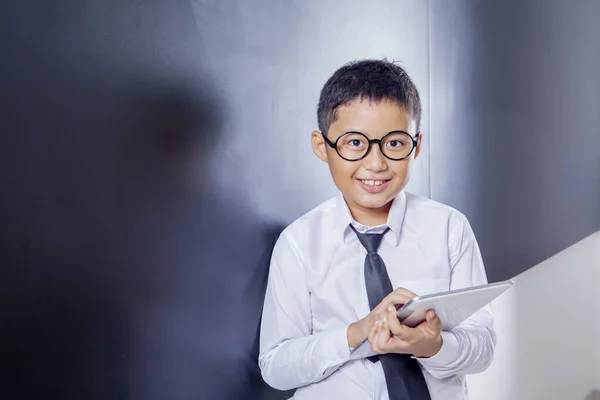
(339, 272)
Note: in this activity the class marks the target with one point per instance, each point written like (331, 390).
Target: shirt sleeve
(291, 354)
(468, 348)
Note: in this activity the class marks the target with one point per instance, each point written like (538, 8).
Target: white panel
(596, 313)
(547, 347)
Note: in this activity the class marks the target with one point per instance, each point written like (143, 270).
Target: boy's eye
(354, 141)
(395, 143)
(399, 141)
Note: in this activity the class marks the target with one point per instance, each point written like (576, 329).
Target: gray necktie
(403, 375)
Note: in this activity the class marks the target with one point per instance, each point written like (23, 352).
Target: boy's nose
(375, 160)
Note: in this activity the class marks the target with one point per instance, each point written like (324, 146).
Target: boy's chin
(373, 201)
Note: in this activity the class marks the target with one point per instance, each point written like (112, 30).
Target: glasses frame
(333, 145)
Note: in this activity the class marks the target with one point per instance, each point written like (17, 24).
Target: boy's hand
(388, 335)
(359, 330)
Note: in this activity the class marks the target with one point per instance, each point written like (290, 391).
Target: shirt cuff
(448, 352)
(363, 350)
(335, 346)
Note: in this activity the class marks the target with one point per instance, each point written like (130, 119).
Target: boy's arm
(469, 348)
(291, 355)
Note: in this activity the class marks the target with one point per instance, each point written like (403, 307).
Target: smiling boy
(339, 272)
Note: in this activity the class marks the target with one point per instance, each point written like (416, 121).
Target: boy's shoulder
(420, 208)
(319, 216)
(420, 205)
(426, 215)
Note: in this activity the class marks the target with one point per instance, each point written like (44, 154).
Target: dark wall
(516, 124)
(125, 274)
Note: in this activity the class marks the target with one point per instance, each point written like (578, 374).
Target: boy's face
(371, 183)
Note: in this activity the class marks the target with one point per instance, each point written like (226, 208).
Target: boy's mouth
(374, 185)
(371, 182)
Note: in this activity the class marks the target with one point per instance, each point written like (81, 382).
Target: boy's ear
(319, 146)
(419, 144)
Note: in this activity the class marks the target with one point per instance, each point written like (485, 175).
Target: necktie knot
(370, 241)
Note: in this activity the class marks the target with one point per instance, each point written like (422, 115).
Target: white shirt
(316, 289)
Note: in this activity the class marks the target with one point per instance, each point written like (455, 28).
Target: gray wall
(516, 124)
(269, 60)
(152, 151)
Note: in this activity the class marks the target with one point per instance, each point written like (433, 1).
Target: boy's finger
(393, 321)
(375, 337)
(405, 292)
(429, 316)
(396, 299)
(434, 320)
(372, 333)
(383, 335)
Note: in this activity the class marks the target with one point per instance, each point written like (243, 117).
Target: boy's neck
(369, 216)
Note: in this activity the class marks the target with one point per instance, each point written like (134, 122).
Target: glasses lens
(352, 146)
(397, 145)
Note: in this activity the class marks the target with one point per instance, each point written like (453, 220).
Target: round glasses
(354, 146)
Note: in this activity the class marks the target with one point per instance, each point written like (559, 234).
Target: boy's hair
(373, 80)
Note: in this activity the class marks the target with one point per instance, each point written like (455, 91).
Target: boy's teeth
(372, 183)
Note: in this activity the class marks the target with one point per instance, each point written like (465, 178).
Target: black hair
(373, 80)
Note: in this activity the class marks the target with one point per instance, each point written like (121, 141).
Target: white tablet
(453, 307)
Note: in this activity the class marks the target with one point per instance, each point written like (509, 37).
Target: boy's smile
(374, 186)
(371, 183)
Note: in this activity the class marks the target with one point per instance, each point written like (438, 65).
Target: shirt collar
(394, 221)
